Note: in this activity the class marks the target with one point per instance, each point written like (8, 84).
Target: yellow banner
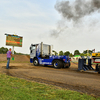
(95, 54)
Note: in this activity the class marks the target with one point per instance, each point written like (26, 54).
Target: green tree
(55, 53)
(76, 52)
(70, 55)
(61, 53)
(82, 54)
(89, 51)
(15, 52)
(3, 50)
(67, 53)
(87, 54)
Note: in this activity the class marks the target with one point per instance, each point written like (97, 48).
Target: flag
(93, 50)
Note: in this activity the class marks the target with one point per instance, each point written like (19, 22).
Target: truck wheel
(68, 65)
(57, 64)
(35, 62)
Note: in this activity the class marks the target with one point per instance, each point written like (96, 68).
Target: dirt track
(66, 78)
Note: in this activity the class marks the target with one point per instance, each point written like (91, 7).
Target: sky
(40, 21)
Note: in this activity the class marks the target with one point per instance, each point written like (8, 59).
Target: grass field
(19, 89)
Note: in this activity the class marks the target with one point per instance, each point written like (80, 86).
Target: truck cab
(41, 54)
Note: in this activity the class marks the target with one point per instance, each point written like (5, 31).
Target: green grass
(19, 89)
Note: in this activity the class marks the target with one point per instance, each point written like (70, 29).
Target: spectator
(9, 54)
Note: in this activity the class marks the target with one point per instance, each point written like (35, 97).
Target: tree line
(67, 53)
(76, 52)
(4, 51)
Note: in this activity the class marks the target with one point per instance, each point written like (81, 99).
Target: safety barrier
(98, 68)
(83, 66)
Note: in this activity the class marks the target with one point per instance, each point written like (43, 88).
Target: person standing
(9, 54)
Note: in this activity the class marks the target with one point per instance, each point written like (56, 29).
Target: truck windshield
(33, 47)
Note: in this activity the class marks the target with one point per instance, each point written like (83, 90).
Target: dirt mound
(17, 58)
(3, 57)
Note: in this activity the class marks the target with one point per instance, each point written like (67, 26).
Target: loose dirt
(17, 58)
(70, 78)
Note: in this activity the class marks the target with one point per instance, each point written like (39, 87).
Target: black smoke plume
(78, 9)
(61, 26)
(74, 12)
